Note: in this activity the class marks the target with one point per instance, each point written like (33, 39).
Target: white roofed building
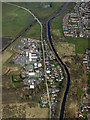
(31, 73)
(32, 86)
(32, 56)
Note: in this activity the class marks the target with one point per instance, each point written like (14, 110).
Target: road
(43, 52)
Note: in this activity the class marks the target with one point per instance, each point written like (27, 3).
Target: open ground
(25, 110)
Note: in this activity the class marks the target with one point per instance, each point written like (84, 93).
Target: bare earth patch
(23, 110)
(36, 112)
(10, 69)
(5, 56)
(16, 110)
(56, 32)
(73, 107)
(65, 49)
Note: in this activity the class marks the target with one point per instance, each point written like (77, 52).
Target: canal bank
(67, 72)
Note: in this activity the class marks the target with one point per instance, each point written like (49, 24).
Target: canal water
(68, 75)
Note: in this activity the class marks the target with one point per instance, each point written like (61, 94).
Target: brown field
(56, 32)
(10, 69)
(37, 112)
(65, 49)
(72, 109)
(16, 110)
(5, 56)
(25, 110)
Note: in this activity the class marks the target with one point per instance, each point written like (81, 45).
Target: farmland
(80, 44)
(14, 20)
(34, 32)
(41, 9)
(56, 5)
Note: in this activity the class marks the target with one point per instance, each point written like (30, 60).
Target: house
(31, 73)
(57, 90)
(60, 80)
(48, 71)
(46, 6)
(32, 86)
(53, 91)
(53, 86)
(35, 65)
(39, 65)
(43, 105)
(54, 95)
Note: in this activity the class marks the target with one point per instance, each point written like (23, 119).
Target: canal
(68, 75)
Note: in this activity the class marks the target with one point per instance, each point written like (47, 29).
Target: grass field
(80, 44)
(56, 5)
(57, 25)
(79, 91)
(34, 32)
(37, 112)
(39, 8)
(14, 19)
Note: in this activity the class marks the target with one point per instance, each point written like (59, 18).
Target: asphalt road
(43, 51)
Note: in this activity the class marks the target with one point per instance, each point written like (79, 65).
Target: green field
(79, 91)
(56, 5)
(57, 25)
(80, 43)
(14, 20)
(34, 32)
(17, 83)
(39, 8)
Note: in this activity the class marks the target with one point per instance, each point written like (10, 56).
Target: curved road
(43, 51)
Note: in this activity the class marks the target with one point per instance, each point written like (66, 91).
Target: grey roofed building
(29, 67)
(21, 60)
(43, 105)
